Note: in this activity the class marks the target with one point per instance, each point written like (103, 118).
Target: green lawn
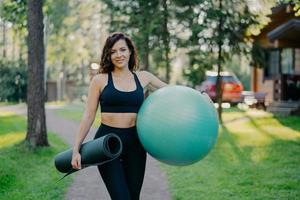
(255, 159)
(257, 156)
(26, 173)
(75, 112)
(7, 103)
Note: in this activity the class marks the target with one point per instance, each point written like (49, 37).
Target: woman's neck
(121, 72)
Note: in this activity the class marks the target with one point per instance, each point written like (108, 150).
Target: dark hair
(105, 63)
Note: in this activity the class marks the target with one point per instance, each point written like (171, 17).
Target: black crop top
(116, 101)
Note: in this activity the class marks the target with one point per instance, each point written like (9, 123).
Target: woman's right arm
(87, 119)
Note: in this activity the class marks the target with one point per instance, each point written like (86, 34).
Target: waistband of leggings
(133, 128)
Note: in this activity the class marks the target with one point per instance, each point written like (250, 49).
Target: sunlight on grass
(261, 132)
(233, 115)
(10, 139)
(236, 113)
(258, 113)
(6, 113)
(254, 158)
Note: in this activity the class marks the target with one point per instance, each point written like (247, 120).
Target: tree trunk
(4, 38)
(219, 80)
(36, 128)
(14, 44)
(145, 50)
(145, 53)
(21, 47)
(166, 39)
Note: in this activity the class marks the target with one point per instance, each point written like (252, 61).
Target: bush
(13, 81)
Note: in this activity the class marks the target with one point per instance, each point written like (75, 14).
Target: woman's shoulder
(143, 74)
(99, 79)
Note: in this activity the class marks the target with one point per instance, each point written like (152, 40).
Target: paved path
(88, 184)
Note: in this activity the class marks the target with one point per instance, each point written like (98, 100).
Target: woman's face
(120, 54)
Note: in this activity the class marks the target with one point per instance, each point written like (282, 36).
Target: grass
(28, 173)
(254, 159)
(2, 103)
(75, 112)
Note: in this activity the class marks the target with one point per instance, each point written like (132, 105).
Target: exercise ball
(177, 125)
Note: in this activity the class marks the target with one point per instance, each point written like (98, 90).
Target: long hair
(105, 63)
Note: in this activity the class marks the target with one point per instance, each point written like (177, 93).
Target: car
(232, 87)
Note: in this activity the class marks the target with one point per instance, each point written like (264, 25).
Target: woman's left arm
(152, 81)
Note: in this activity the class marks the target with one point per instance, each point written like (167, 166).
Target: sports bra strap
(138, 84)
(110, 81)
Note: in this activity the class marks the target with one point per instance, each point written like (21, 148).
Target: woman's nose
(119, 53)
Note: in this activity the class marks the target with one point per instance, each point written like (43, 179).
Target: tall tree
(217, 32)
(4, 38)
(36, 128)
(166, 38)
(143, 21)
(220, 61)
(234, 20)
(14, 12)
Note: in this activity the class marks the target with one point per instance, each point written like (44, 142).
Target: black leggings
(124, 176)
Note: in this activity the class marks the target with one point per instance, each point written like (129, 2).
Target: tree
(36, 128)
(14, 12)
(217, 32)
(166, 38)
(147, 23)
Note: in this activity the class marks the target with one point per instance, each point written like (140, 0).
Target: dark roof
(288, 31)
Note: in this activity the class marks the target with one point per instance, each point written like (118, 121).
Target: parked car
(232, 87)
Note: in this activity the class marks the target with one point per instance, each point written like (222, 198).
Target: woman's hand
(76, 160)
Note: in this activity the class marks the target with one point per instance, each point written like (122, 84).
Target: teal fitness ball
(177, 125)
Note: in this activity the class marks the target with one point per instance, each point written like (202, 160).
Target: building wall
(70, 92)
(266, 86)
(51, 91)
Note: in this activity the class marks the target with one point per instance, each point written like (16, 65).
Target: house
(280, 77)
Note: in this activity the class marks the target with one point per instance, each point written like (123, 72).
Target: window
(273, 62)
(287, 61)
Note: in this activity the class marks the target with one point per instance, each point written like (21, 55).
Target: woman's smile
(120, 54)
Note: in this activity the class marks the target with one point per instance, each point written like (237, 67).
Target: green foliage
(149, 24)
(240, 66)
(13, 81)
(14, 11)
(72, 38)
(192, 25)
(56, 11)
(199, 63)
(13, 14)
(206, 35)
(258, 54)
(297, 8)
(296, 4)
(141, 19)
(67, 47)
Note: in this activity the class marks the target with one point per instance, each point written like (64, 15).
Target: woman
(120, 92)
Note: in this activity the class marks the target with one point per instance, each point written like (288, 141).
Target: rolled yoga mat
(95, 152)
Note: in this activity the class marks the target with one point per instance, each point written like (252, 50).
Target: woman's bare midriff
(119, 120)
